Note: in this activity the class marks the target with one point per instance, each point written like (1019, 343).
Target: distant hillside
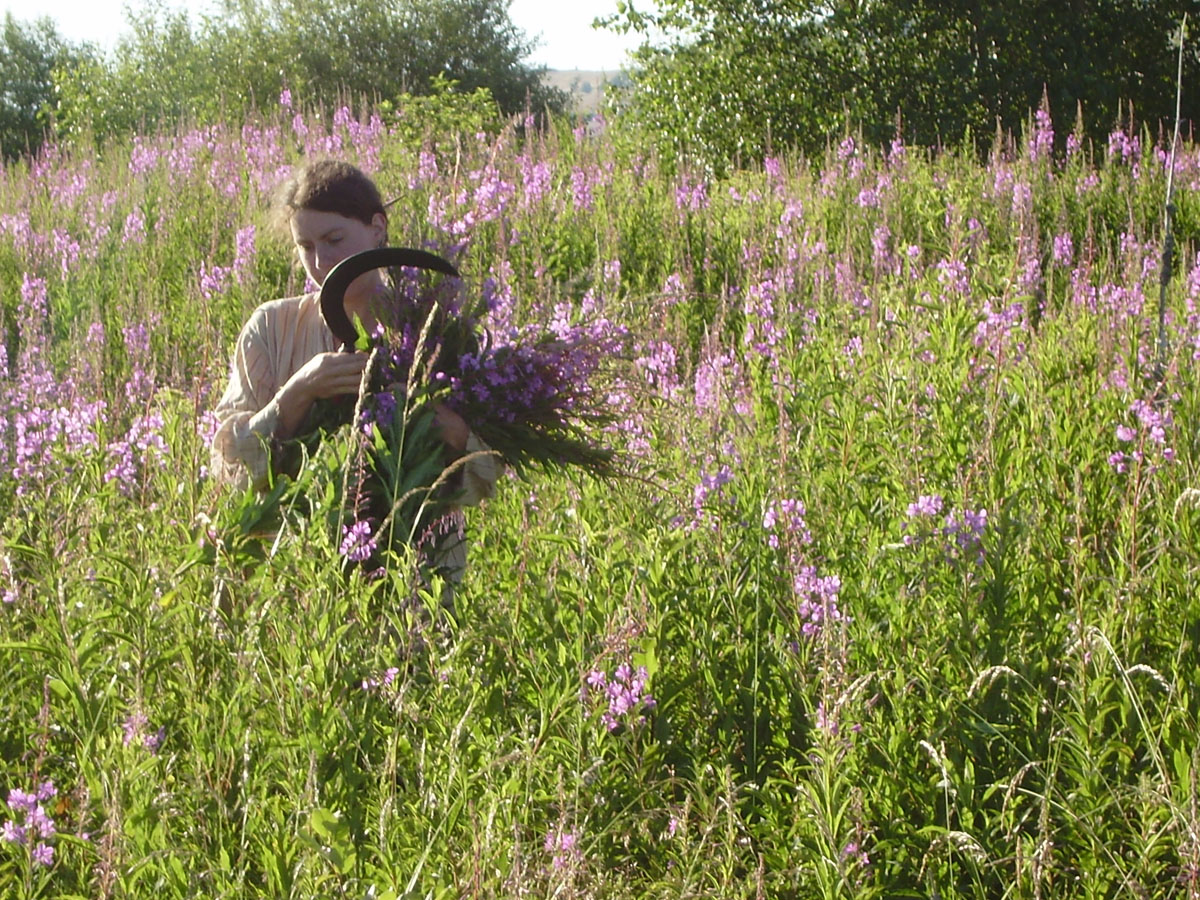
(585, 87)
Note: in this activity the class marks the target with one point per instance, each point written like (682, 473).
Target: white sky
(564, 26)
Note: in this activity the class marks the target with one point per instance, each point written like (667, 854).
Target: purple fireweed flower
(581, 189)
(491, 195)
(963, 530)
(140, 386)
(34, 305)
(1088, 183)
(427, 166)
(999, 333)
(852, 851)
(764, 333)
(133, 727)
(1154, 421)
(135, 733)
(213, 280)
(143, 157)
(912, 253)
(848, 286)
(612, 274)
(817, 597)
(786, 519)
(966, 530)
(868, 198)
(1123, 146)
(21, 801)
(718, 374)
(385, 679)
(1041, 140)
(537, 180)
(622, 698)
(38, 822)
(563, 847)
(1022, 199)
(674, 292)
(134, 231)
(285, 98)
(658, 367)
(357, 541)
(153, 741)
(710, 487)
(500, 299)
(691, 196)
(1029, 281)
(927, 505)
(380, 410)
(31, 821)
(825, 721)
(244, 252)
(885, 261)
(1064, 249)
(1001, 187)
(143, 443)
(952, 275)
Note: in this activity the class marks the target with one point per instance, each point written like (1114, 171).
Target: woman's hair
(328, 185)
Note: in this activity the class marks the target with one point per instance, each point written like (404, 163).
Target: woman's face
(324, 239)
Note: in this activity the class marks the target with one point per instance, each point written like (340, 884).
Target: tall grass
(898, 600)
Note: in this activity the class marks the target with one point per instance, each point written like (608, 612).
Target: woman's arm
(481, 469)
(255, 410)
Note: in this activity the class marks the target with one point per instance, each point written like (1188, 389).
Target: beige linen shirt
(280, 337)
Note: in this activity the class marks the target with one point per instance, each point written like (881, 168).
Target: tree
(322, 50)
(29, 55)
(741, 76)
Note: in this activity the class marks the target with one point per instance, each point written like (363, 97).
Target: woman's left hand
(451, 427)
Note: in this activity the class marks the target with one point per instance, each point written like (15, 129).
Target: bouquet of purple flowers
(537, 397)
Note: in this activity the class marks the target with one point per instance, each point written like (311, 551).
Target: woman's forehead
(312, 224)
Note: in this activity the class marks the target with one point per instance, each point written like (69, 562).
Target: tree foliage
(168, 67)
(29, 55)
(740, 77)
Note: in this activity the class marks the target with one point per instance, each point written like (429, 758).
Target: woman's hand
(325, 375)
(451, 427)
(366, 297)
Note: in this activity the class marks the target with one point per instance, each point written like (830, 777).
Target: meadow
(894, 597)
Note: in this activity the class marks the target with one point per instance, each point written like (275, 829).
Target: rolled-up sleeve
(247, 414)
(480, 472)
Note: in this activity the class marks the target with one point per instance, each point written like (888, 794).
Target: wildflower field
(896, 594)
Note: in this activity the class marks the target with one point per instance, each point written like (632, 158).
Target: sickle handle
(333, 291)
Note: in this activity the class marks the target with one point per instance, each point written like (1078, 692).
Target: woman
(286, 357)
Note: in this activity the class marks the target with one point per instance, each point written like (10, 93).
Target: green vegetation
(906, 561)
(739, 79)
(169, 68)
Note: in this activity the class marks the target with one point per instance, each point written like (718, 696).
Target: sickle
(333, 291)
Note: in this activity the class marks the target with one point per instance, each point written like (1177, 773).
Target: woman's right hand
(329, 375)
(326, 375)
